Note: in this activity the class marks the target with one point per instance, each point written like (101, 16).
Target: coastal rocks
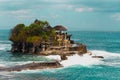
(97, 57)
(22, 47)
(63, 51)
(80, 48)
(63, 57)
(33, 66)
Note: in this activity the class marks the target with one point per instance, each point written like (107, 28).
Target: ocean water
(84, 67)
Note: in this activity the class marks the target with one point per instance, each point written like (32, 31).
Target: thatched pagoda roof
(60, 28)
(48, 28)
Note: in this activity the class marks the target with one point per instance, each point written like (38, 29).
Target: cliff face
(24, 48)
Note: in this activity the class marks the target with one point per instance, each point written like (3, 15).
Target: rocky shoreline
(32, 66)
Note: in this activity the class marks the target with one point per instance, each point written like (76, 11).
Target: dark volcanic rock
(33, 66)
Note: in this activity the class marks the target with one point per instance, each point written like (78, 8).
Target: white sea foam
(56, 57)
(85, 60)
(105, 53)
(110, 59)
(20, 63)
(5, 47)
(5, 41)
(37, 71)
(2, 65)
(6, 76)
(2, 48)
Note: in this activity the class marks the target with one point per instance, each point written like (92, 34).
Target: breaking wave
(6, 76)
(110, 59)
(85, 60)
(5, 45)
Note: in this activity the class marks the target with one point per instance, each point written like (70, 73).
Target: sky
(79, 15)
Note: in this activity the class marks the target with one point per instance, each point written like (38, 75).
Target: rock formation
(40, 38)
(33, 66)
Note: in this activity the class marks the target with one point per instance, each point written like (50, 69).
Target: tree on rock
(25, 38)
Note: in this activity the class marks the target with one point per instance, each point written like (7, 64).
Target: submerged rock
(97, 57)
(33, 66)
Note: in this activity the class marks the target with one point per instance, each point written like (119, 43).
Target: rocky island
(40, 38)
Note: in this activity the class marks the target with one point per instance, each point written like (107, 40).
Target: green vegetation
(31, 33)
(34, 34)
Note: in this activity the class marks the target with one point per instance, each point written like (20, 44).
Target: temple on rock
(40, 38)
(63, 40)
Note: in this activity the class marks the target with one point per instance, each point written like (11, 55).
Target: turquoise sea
(105, 44)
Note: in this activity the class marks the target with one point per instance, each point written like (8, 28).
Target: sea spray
(4, 47)
(6, 76)
(110, 59)
(85, 60)
(54, 57)
(2, 65)
(105, 53)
